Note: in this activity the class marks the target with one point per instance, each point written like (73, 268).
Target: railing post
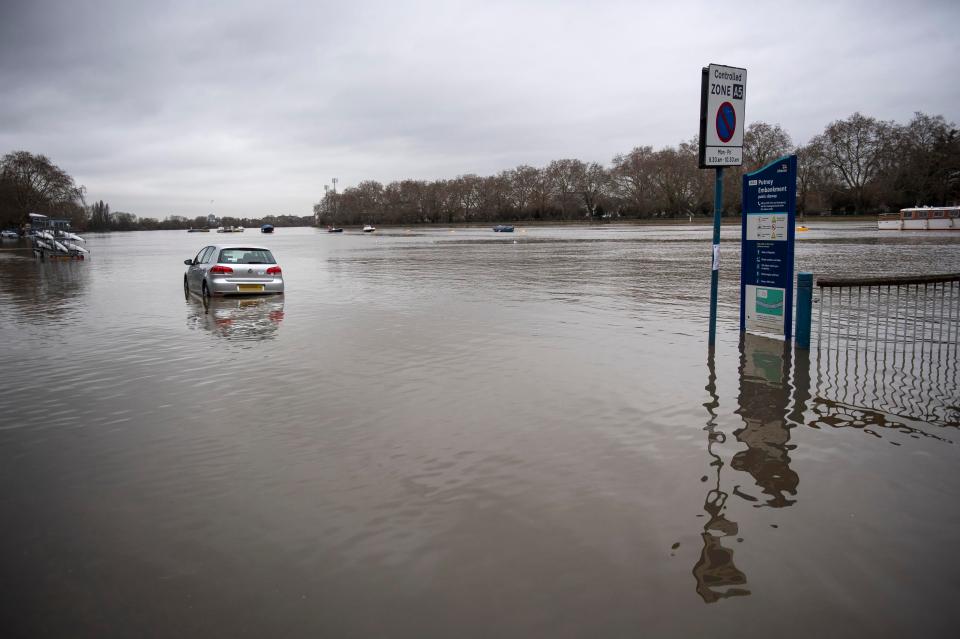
(804, 309)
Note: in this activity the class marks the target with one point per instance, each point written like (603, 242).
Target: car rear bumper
(240, 286)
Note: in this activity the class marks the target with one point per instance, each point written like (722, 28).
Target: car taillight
(221, 269)
(274, 270)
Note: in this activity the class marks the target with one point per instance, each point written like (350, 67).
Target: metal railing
(891, 344)
(889, 312)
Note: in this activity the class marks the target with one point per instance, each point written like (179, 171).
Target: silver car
(233, 269)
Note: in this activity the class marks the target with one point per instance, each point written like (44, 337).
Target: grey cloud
(160, 108)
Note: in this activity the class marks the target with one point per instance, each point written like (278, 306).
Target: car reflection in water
(244, 319)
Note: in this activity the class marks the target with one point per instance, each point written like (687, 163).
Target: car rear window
(245, 256)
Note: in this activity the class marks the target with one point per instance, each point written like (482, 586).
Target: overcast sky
(160, 107)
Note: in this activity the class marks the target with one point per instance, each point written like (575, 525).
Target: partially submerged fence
(891, 343)
(892, 312)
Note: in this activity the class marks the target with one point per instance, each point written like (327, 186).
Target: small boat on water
(266, 228)
(926, 218)
(230, 229)
(503, 228)
(198, 230)
(334, 229)
(369, 228)
(8, 234)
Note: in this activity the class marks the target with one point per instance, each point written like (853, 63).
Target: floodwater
(441, 433)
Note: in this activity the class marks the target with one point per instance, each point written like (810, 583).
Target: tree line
(856, 165)
(100, 218)
(33, 184)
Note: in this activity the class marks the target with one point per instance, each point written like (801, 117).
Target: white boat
(73, 246)
(926, 218)
(9, 235)
(368, 228)
(52, 238)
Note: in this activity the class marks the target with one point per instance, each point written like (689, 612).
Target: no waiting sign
(723, 93)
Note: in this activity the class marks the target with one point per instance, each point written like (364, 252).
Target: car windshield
(245, 256)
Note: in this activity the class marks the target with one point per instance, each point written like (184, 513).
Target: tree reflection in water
(44, 291)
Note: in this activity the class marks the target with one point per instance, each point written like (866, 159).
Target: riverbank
(680, 222)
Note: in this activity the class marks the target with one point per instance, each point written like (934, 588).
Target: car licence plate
(250, 288)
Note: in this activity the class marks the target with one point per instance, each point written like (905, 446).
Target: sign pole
(715, 273)
(722, 118)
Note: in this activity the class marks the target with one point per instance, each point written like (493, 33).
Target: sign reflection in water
(763, 401)
(860, 388)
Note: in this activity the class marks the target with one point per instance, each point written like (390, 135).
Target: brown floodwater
(456, 433)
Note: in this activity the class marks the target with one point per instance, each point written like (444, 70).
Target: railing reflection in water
(898, 386)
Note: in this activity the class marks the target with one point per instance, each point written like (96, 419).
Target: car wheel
(206, 291)
(186, 288)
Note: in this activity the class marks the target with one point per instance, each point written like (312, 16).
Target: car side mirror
(188, 262)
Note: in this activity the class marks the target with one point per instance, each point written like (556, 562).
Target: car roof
(254, 247)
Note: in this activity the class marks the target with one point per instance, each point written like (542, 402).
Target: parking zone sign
(723, 93)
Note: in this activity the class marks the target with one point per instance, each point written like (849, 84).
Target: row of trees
(100, 218)
(860, 164)
(857, 165)
(33, 184)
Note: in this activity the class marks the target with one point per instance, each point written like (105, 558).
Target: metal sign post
(722, 110)
(715, 268)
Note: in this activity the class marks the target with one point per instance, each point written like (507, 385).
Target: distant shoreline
(727, 220)
(697, 221)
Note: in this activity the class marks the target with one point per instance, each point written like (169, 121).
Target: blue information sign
(767, 236)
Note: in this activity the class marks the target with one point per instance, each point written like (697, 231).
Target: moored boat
(8, 234)
(334, 229)
(198, 230)
(369, 228)
(266, 228)
(926, 218)
(503, 228)
(52, 238)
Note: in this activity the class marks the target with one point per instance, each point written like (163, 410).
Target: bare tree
(679, 184)
(99, 217)
(523, 181)
(593, 184)
(632, 177)
(763, 143)
(32, 183)
(854, 149)
(925, 164)
(565, 177)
